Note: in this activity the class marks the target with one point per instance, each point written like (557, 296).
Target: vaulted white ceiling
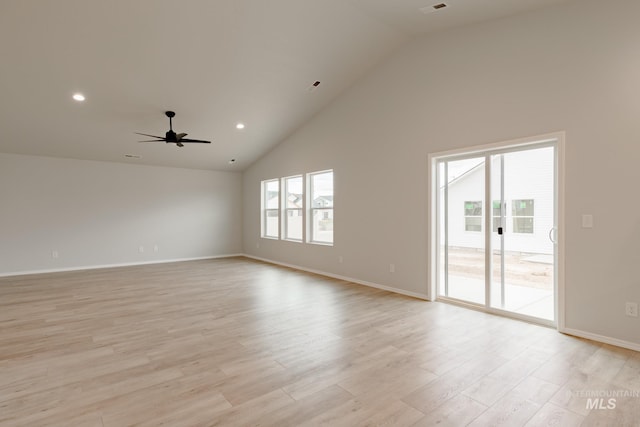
(214, 62)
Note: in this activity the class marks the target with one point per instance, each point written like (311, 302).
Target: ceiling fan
(172, 137)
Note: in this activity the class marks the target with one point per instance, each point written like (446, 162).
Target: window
(473, 216)
(315, 212)
(497, 220)
(270, 209)
(522, 211)
(293, 208)
(321, 207)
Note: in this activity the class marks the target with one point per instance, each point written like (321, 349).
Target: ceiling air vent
(433, 8)
(133, 156)
(314, 86)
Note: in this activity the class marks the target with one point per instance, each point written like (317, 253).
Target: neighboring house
(272, 200)
(528, 203)
(294, 201)
(294, 205)
(323, 202)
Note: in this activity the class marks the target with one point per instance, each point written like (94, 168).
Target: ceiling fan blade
(195, 140)
(171, 136)
(146, 134)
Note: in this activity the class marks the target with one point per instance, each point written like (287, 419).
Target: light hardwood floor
(238, 342)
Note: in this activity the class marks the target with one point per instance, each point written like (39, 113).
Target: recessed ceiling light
(232, 161)
(240, 126)
(78, 97)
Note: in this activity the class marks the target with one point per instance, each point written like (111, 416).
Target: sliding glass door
(496, 229)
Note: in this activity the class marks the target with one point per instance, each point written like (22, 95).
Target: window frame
(266, 210)
(286, 210)
(311, 210)
(466, 217)
(515, 217)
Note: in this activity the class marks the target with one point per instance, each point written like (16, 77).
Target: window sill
(320, 243)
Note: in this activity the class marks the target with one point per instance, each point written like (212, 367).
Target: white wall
(96, 213)
(574, 67)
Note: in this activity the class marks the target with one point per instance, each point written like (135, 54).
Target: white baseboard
(601, 338)
(575, 332)
(346, 279)
(126, 264)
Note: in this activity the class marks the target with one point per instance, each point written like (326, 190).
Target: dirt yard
(519, 269)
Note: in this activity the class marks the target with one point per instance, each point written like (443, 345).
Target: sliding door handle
(552, 233)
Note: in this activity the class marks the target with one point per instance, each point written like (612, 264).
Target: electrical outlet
(55, 254)
(155, 248)
(631, 309)
(141, 249)
(340, 259)
(257, 245)
(392, 268)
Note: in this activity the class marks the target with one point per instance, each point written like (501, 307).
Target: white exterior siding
(467, 188)
(528, 176)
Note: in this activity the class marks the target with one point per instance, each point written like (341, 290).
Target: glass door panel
(461, 232)
(523, 276)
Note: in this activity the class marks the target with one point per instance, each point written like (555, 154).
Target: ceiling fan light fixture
(171, 137)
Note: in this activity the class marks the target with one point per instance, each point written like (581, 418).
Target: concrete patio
(528, 285)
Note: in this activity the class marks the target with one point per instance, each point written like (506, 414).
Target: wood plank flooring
(235, 342)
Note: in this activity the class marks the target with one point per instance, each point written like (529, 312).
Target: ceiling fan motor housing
(171, 136)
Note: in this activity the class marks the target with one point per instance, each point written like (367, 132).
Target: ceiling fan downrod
(171, 115)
